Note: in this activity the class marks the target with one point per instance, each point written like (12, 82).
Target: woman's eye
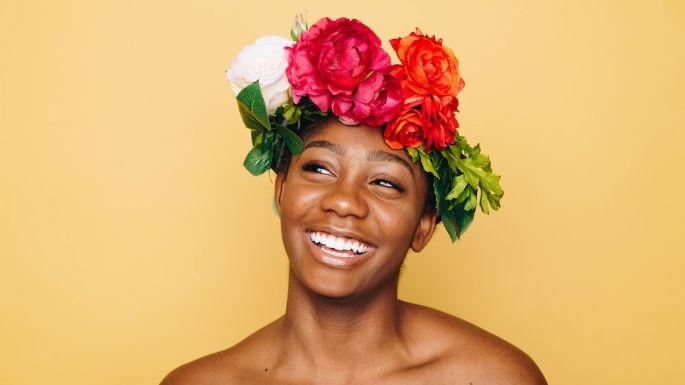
(316, 168)
(388, 184)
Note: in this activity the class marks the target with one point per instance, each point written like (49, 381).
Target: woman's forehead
(361, 143)
(342, 138)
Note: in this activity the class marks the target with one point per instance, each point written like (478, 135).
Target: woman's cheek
(303, 195)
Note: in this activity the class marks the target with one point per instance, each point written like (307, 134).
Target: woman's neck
(349, 335)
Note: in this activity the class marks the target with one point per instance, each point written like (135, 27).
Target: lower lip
(330, 259)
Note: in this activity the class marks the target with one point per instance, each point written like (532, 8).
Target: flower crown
(339, 67)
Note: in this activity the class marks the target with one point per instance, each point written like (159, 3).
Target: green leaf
(252, 108)
(257, 137)
(466, 173)
(471, 202)
(439, 191)
(484, 203)
(492, 191)
(258, 160)
(451, 155)
(249, 121)
(413, 153)
(447, 216)
(452, 226)
(277, 152)
(464, 220)
(472, 172)
(459, 184)
(465, 194)
(289, 112)
(427, 164)
(292, 140)
(478, 173)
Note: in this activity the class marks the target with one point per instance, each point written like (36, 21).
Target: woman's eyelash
(315, 167)
(389, 184)
(320, 169)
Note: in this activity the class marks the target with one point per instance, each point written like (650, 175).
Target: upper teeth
(337, 243)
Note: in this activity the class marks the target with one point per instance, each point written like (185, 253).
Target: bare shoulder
(216, 368)
(462, 350)
(239, 364)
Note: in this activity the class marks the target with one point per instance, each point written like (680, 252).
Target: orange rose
(428, 67)
(405, 130)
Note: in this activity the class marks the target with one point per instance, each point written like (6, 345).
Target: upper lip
(341, 233)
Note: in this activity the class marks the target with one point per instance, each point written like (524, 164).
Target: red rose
(440, 125)
(406, 130)
(331, 59)
(432, 125)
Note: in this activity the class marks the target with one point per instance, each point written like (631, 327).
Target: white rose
(265, 60)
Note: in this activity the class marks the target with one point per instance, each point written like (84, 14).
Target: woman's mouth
(336, 246)
(340, 244)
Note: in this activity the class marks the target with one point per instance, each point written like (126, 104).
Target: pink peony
(377, 100)
(331, 60)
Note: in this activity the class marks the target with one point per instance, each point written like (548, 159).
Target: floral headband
(339, 67)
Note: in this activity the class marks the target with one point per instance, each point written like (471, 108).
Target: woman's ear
(424, 230)
(278, 190)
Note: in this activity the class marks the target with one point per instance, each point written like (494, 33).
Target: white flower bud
(299, 26)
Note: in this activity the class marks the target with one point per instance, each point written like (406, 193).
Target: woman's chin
(341, 286)
(331, 285)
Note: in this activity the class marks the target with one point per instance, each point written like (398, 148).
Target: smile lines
(338, 243)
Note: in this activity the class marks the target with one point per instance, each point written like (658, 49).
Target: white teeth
(336, 243)
(333, 261)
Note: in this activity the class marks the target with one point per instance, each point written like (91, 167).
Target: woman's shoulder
(235, 365)
(216, 368)
(460, 349)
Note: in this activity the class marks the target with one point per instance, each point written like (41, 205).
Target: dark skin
(343, 322)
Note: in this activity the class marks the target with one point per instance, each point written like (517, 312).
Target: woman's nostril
(345, 200)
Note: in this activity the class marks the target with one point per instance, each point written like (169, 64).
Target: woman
(352, 203)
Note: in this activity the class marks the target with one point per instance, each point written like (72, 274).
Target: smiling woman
(354, 195)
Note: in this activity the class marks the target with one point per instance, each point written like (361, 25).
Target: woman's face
(350, 209)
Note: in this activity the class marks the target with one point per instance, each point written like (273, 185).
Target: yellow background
(132, 240)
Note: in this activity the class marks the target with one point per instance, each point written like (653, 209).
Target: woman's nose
(346, 198)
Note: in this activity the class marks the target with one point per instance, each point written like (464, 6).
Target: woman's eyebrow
(380, 155)
(336, 148)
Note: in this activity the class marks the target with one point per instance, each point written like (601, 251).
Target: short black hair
(305, 131)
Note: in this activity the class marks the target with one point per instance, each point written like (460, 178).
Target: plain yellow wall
(132, 240)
